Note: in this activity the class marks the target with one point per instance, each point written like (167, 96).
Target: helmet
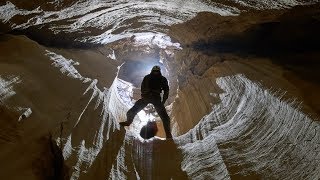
(156, 68)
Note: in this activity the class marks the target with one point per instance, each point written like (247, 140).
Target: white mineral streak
(6, 91)
(161, 40)
(115, 18)
(96, 92)
(116, 14)
(56, 2)
(259, 132)
(26, 113)
(273, 4)
(113, 55)
(86, 153)
(6, 87)
(146, 38)
(116, 106)
(112, 17)
(202, 160)
(102, 14)
(9, 10)
(119, 168)
(81, 157)
(66, 65)
(67, 148)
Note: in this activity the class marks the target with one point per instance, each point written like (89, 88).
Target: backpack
(149, 130)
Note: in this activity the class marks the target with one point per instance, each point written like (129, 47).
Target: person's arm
(165, 88)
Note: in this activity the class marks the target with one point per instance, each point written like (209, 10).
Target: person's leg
(161, 110)
(138, 106)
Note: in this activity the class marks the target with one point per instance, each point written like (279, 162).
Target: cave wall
(260, 44)
(228, 103)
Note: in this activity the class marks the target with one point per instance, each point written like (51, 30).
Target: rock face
(243, 99)
(263, 48)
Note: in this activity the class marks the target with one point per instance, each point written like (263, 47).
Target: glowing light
(145, 118)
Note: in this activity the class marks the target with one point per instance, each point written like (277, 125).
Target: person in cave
(152, 85)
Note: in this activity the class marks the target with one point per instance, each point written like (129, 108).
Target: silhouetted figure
(152, 85)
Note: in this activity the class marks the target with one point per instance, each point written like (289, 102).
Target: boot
(168, 136)
(130, 117)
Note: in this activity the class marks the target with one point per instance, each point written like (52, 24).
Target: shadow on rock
(291, 41)
(296, 31)
(167, 160)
